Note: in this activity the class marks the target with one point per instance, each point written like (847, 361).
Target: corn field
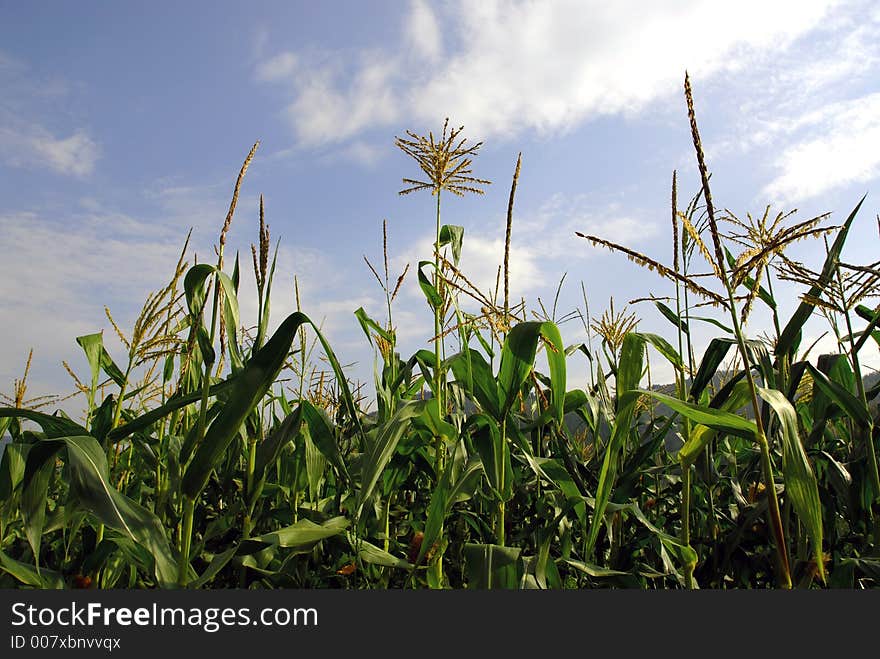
(219, 454)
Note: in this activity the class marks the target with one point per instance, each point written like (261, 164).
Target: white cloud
(325, 111)
(542, 66)
(277, 68)
(25, 138)
(31, 145)
(64, 270)
(842, 146)
(58, 278)
(423, 31)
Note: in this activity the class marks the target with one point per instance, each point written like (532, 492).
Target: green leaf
(316, 463)
(53, 426)
(492, 566)
(712, 321)
(852, 406)
(270, 448)
(707, 416)
(437, 510)
(323, 435)
(595, 571)
(555, 351)
(368, 324)
(90, 485)
(629, 374)
(174, 403)
(791, 333)
(672, 317)
(250, 387)
(35, 488)
(195, 288)
(701, 435)
(305, 533)
(434, 298)
(518, 358)
(92, 345)
(712, 358)
(473, 373)
(231, 319)
(218, 562)
(664, 348)
(494, 453)
(378, 452)
(800, 481)
(26, 574)
(370, 553)
(451, 234)
(12, 468)
(556, 474)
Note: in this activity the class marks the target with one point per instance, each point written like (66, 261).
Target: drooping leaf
(801, 486)
(370, 553)
(434, 298)
(89, 481)
(176, 402)
(664, 348)
(53, 426)
(852, 406)
(303, 534)
(368, 324)
(672, 317)
(707, 416)
(452, 235)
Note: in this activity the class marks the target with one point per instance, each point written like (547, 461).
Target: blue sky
(122, 125)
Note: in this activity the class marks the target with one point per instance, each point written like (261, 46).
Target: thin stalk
(186, 541)
(686, 522)
(867, 432)
(766, 462)
(500, 509)
(439, 460)
(507, 243)
(438, 382)
(682, 390)
(761, 438)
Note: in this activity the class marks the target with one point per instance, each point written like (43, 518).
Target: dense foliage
(218, 456)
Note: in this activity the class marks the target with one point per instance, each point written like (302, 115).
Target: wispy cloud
(540, 66)
(95, 256)
(26, 141)
(841, 146)
(788, 108)
(33, 146)
(422, 31)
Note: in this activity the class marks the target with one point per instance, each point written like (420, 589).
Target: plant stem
(500, 510)
(867, 432)
(186, 541)
(686, 522)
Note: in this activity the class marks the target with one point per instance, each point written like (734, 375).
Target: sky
(124, 125)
